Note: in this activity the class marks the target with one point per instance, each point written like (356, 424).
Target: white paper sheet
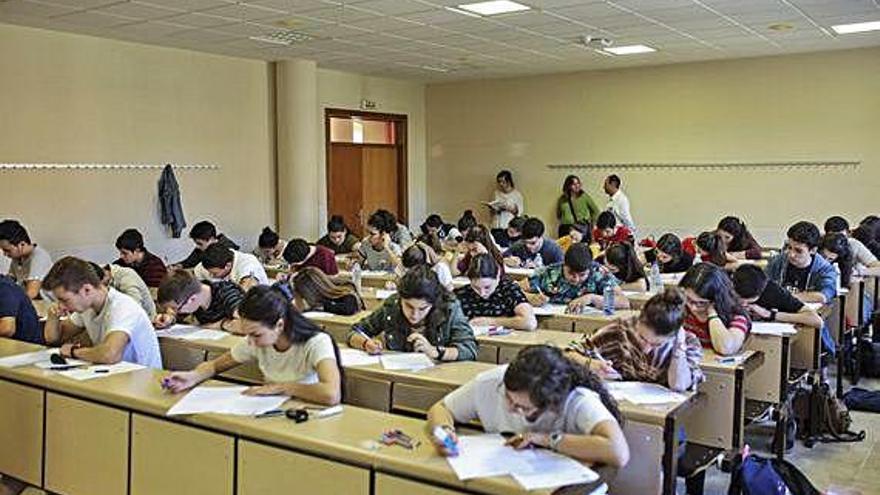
(191, 332)
(406, 361)
(643, 393)
(224, 400)
(317, 314)
(101, 370)
(384, 293)
(460, 282)
(550, 309)
(49, 365)
(25, 359)
(773, 328)
(356, 357)
(540, 468)
(480, 330)
(814, 306)
(375, 274)
(480, 456)
(512, 270)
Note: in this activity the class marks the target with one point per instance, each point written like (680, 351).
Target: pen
(102, 370)
(270, 414)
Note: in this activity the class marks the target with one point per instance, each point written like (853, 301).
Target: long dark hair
(483, 265)
(549, 377)
(712, 243)
(742, 238)
(670, 244)
(868, 232)
(711, 282)
(664, 312)
(315, 287)
(623, 256)
(566, 186)
(481, 234)
(839, 245)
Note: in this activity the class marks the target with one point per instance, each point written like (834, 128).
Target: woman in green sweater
(574, 206)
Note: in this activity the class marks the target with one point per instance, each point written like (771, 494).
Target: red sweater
(323, 259)
(622, 234)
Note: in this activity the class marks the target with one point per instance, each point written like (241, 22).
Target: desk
(370, 278)
(585, 323)
(338, 326)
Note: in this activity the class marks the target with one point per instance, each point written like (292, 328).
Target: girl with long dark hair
(714, 312)
(737, 239)
(623, 262)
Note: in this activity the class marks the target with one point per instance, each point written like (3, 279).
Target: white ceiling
(419, 39)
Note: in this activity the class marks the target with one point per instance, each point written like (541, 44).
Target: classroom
(626, 247)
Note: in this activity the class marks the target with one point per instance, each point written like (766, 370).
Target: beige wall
(69, 98)
(820, 106)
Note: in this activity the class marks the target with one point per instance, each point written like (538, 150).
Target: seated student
(133, 254)
(466, 222)
(766, 300)
(711, 250)
(127, 281)
(270, 248)
(338, 238)
(607, 231)
(400, 233)
(491, 299)
(378, 251)
(534, 249)
(420, 254)
(222, 263)
(210, 304)
(296, 357)
(671, 256)
(651, 347)
(446, 232)
(29, 262)
(300, 254)
(477, 241)
(800, 269)
(714, 312)
(505, 238)
(117, 327)
(577, 232)
(18, 318)
(545, 399)
(578, 281)
(422, 317)
(313, 290)
(737, 239)
(864, 261)
(621, 260)
(868, 232)
(835, 249)
(204, 234)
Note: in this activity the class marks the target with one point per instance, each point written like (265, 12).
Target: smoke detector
(595, 42)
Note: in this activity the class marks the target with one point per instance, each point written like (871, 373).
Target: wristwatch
(773, 314)
(555, 440)
(440, 352)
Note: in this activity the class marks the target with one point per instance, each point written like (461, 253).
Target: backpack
(753, 475)
(869, 357)
(859, 399)
(821, 416)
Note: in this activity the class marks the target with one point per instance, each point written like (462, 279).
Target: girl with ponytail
(296, 357)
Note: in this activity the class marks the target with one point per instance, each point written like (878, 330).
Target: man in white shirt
(864, 262)
(29, 263)
(222, 263)
(127, 281)
(117, 327)
(618, 203)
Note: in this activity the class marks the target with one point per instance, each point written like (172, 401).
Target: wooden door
(380, 179)
(345, 184)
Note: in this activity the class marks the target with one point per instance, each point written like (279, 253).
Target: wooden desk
(375, 279)
(336, 325)
(586, 323)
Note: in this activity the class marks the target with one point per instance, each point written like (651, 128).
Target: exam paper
(25, 359)
(513, 270)
(317, 314)
(406, 361)
(101, 370)
(551, 309)
(773, 328)
(643, 393)
(384, 293)
(224, 400)
(356, 357)
(191, 332)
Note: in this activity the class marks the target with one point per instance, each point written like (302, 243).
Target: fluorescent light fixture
(494, 7)
(858, 27)
(629, 50)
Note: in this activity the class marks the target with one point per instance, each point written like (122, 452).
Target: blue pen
(445, 437)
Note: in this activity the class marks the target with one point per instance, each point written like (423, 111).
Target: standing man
(618, 203)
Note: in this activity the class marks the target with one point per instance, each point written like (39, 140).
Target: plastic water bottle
(356, 275)
(656, 281)
(837, 271)
(608, 303)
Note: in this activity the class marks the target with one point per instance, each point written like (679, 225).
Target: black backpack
(821, 416)
(869, 357)
(859, 399)
(754, 475)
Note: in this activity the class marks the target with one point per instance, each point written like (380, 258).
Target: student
(127, 281)
(607, 231)
(445, 232)
(18, 318)
(400, 234)
(270, 248)
(378, 251)
(671, 256)
(313, 290)
(621, 260)
(466, 222)
(738, 240)
(210, 304)
(204, 234)
(222, 263)
(575, 205)
(117, 327)
(864, 261)
(338, 238)
(507, 202)
(534, 249)
(505, 238)
(578, 281)
(478, 241)
(835, 249)
(712, 250)
(714, 313)
(295, 356)
(420, 254)
(651, 347)
(491, 299)
(422, 317)
(29, 263)
(800, 269)
(133, 254)
(544, 398)
(618, 202)
(300, 254)
(578, 232)
(766, 300)
(868, 232)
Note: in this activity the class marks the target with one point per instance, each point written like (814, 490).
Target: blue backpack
(753, 475)
(860, 399)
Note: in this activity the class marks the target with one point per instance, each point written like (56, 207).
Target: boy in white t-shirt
(28, 262)
(546, 400)
(222, 263)
(117, 326)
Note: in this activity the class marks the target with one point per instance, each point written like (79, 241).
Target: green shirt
(584, 209)
(550, 280)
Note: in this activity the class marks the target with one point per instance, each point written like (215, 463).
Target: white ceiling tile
(200, 20)
(202, 36)
(394, 7)
(33, 9)
(247, 12)
(83, 4)
(95, 19)
(191, 5)
(343, 15)
(385, 23)
(146, 30)
(295, 6)
(139, 10)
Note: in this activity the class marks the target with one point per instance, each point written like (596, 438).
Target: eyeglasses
(698, 303)
(525, 410)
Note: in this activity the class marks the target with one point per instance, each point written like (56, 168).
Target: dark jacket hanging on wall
(169, 202)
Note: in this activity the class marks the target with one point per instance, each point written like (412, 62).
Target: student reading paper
(714, 312)
(133, 254)
(210, 304)
(313, 290)
(766, 300)
(29, 262)
(295, 356)
(222, 263)
(270, 248)
(546, 400)
(203, 235)
(338, 238)
(491, 299)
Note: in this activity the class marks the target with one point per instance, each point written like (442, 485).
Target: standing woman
(738, 240)
(574, 206)
(508, 202)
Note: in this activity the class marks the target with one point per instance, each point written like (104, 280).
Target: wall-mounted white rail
(103, 166)
(792, 165)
